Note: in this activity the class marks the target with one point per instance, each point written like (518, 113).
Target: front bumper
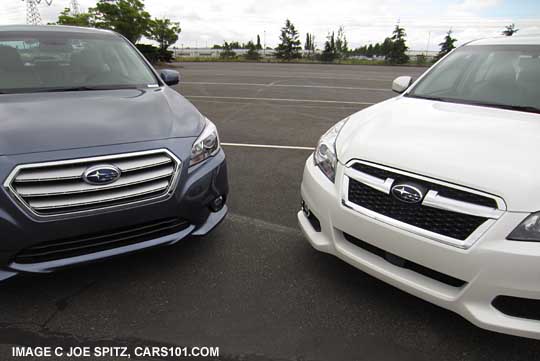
(492, 267)
(191, 202)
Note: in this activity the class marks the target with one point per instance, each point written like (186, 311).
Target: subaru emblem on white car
(407, 193)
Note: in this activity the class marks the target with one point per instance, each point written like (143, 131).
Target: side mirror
(402, 83)
(170, 77)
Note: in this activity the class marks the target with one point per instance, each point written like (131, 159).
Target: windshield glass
(49, 61)
(505, 76)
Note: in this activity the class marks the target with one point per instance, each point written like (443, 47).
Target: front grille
(92, 243)
(58, 188)
(450, 224)
(444, 191)
(403, 263)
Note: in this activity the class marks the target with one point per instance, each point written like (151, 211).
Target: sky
(208, 22)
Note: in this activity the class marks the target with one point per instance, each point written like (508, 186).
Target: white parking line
(239, 74)
(277, 100)
(266, 146)
(287, 86)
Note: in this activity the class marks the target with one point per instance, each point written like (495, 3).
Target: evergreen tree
(447, 45)
(307, 44)
(386, 47)
(227, 51)
(397, 54)
(369, 51)
(377, 49)
(342, 47)
(329, 53)
(290, 43)
(259, 46)
(253, 52)
(510, 30)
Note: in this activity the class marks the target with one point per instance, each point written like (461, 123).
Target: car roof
(53, 28)
(508, 40)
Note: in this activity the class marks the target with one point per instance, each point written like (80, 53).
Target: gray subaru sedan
(98, 156)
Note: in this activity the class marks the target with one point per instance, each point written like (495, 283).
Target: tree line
(129, 18)
(393, 49)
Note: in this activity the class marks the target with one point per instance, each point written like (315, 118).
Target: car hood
(491, 150)
(42, 122)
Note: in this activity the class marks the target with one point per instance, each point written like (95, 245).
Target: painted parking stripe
(301, 76)
(267, 146)
(277, 100)
(287, 86)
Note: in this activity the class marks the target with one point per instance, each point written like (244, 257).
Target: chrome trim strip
(93, 199)
(369, 180)
(434, 200)
(125, 166)
(8, 183)
(44, 190)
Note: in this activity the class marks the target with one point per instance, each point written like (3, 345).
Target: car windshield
(35, 61)
(502, 76)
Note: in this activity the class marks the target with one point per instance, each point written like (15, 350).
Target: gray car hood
(42, 122)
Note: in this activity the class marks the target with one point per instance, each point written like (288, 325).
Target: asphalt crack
(64, 302)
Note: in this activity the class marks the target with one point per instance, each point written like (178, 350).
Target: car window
(36, 61)
(504, 75)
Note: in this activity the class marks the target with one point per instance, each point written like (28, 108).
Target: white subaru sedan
(437, 191)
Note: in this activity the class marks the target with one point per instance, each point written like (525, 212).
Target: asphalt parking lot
(254, 287)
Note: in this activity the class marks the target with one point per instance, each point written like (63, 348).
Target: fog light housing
(217, 204)
(313, 220)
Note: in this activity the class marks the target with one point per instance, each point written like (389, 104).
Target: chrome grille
(57, 188)
(447, 213)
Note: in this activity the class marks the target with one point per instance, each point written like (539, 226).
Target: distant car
(98, 156)
(437, 191)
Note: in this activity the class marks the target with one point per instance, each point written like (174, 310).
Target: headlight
(528, 230)
(206, 146)
(325, 155)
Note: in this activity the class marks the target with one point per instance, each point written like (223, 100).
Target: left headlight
(207, 145)
(528, 230)
(325, 155)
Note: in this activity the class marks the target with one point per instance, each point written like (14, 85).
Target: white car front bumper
(492, 267)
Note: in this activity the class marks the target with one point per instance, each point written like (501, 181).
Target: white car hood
(491, 150)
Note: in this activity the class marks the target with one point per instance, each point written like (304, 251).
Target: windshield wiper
(83, 88)
(428, 97)
(520, 108)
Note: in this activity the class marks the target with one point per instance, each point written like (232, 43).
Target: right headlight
(528, 230)
(325, 155)
(207, 145)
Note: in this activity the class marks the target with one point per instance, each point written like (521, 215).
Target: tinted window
(506, 75)
(35, 61)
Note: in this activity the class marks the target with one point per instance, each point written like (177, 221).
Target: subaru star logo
(101, 174)
(407, 193)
